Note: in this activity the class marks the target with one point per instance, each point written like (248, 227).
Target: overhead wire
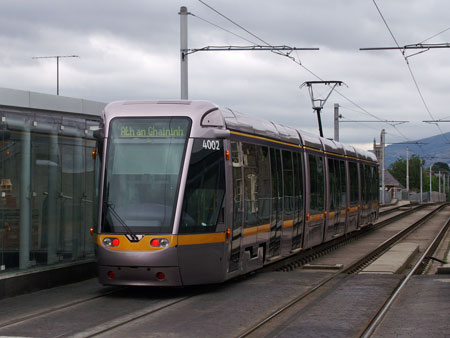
(298, 62)
(405, 57)
(233, 22)
(431, 37)
(392, 125)
(220, 27)
(360, 123)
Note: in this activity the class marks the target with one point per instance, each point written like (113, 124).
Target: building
(48, 179)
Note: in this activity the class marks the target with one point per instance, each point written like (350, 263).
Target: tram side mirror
(99, 136)
(5, 135)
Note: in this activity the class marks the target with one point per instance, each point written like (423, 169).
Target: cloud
(130, 50)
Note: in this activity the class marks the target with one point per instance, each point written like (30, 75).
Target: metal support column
(421, 184)
(25, 198)
(336, 122)
(183, 52)
(431, 198)
(407, 169)
(382, 143)
(77, 212)
(52, 200)
(439, 185)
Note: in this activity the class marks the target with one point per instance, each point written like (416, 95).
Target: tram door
(289, 203)
(335, 222)
(298, 226)
(276, 203)
(238, 205)
(316, 206)
(353, 194)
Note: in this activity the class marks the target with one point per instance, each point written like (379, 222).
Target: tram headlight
(110, 242)
(163, 242)
(159, 242)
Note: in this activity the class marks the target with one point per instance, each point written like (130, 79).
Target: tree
(398, 170)
(441, 166)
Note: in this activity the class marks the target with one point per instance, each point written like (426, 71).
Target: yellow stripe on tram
(201, 239)
(256, 230)
(288, 224)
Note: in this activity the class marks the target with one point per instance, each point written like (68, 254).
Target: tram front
(143, 182)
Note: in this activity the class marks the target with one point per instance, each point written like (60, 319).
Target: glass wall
(48, 174)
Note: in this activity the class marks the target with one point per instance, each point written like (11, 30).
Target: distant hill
(436, 149)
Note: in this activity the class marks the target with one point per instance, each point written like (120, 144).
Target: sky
(131, 50)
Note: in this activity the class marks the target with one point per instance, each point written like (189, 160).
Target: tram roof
(207, 114)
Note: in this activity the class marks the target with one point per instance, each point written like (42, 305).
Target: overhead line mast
(185, 51)
(57, 57)
(412, 46)
(317, 103)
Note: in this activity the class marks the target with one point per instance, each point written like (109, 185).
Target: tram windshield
(143, 169)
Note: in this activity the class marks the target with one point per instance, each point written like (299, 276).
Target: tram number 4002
(211, 144)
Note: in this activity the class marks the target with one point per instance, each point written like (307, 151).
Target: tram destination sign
(151, 130)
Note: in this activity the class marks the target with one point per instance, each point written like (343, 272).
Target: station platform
(395, 204)
(394, 260)
(22, 282)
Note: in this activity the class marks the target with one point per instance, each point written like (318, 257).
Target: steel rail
(58, 308)
(382, 312)
(361, 261)
(308, 255)
(392, 240)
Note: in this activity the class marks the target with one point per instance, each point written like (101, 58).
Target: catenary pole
(439, 184)
(183, 52)
(336, 122)
(382, 141)
(431, 199)
(407, 169)
(57, 57)
(421, 183)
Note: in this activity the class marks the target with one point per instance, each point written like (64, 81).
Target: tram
(192, 193)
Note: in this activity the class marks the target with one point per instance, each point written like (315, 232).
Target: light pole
(382, 144)
(407, 169)
(57, 57)
(431, 199)
(439, 185)
(421, 183)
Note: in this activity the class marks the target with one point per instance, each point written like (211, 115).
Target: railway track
(153, 309)
(309, 255)
(417, 269)
(166, 299)
(260, 328)
(54, 309)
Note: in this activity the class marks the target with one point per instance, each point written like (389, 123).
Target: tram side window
(288, 184)
(363, 172)
(316, 175)
(205, 189)
(298, 192)
(298, 183)
(333, 182)
(376, 183)
(343, 185)
(237, 184)
(369, 179)
(264, 185)
(354, 183)
(250, 184)
(373, 184)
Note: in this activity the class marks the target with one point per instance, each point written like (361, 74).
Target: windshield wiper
(133, 237)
